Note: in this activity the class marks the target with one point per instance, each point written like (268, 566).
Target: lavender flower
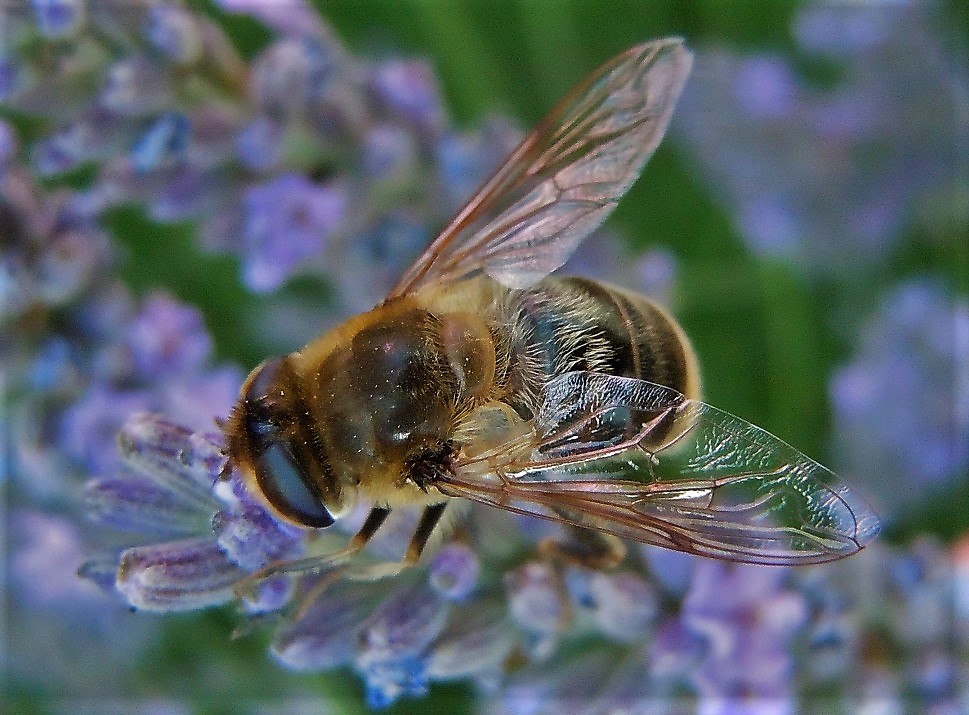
(308, 159)
(829, 179)
(57, 19)
(286, 221)
(901, 405)
(289, 17)
(748, 618)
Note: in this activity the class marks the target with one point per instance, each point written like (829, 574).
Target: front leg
(246, 587)
(425, 527)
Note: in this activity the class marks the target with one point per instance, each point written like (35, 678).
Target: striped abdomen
(565, 324)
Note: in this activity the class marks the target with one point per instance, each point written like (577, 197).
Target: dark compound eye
(285, 486)
(263, 383)
(280, 475)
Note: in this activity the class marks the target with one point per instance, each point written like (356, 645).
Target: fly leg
(584, 547)
(425, 527)
(247, 586)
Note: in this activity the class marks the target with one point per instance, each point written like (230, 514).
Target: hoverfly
(482, 378)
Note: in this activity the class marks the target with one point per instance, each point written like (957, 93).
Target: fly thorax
(387, 396)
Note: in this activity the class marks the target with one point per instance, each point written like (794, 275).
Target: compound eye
(262, 383)
(286, 487)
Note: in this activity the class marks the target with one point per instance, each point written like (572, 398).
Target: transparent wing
(643, 462)
(565, 177)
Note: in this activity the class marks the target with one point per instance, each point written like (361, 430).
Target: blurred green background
(758, 326)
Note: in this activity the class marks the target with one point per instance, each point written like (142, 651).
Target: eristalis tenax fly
(483, 378)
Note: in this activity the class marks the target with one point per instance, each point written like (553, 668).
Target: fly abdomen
(574, 323)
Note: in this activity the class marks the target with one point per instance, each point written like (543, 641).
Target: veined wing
(565, 177)
(643, 462)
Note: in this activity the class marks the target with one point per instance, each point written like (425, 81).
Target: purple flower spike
(177, 575)
(175, 458)
(904, 425)
(454, 571)
(287, 220)
(831, 177)
(168, 337)
(142, 506)
(324, 635)
(537, 605)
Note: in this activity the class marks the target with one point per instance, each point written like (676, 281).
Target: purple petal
(142, 506)
(175, 33)
(168, 337)
(177, 575)
(454, 571)
(325, 636)
(270, 594)
(57, 19)
(537, 605)
(287, 220)
(253, 539)
(259, 144)
(89, 427)
(409, 88)
(188, 464)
